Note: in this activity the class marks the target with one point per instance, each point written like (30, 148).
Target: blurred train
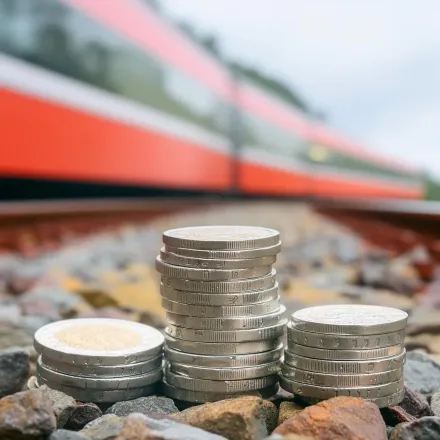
(110, 93)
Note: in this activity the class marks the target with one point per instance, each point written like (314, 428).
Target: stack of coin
(346, 350)
(225, 322)
(99, 360)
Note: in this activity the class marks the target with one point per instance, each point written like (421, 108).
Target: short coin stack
(225, 322)
(346, 350)
(99, 360)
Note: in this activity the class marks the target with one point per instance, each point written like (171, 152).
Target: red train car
(117, 96)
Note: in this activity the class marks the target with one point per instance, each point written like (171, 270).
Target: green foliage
(211, 44)
(432, 188)
(276, 86)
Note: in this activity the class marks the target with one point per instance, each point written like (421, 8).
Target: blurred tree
(212, 44)
(432, 187)
(155, 4)
(269, 83)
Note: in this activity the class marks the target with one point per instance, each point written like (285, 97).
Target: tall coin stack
(346, 350)
(99, 359)
(225, 322)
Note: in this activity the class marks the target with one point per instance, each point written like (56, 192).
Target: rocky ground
(112, 275)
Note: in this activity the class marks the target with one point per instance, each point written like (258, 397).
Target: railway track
(26, 226)
(397, 226)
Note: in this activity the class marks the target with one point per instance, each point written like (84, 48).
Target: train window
(318, 153)
(64, 40)
(339, 162)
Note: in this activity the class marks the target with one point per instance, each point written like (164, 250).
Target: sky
(372, 66)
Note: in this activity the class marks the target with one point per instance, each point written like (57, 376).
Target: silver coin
(243, 254)
(345, 367)
(345, 355)
(214, 299)
(220, 311)
(340, 380)
(98, 341)
(107, 383)
(202, 397)
(101, 396)
(104, 370)
(218, 386)
(221, 237)
(320, 392)
(220, 348)
(205, 263)
(211, 274)
(216, 361)
(227, 323)
(225, 373)
(202, 335)
(381, 402)
(261, 283)
(349, 319)
(344, 342)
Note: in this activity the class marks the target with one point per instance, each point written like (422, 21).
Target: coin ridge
(101, 383)
(307, 390)
(211, 243)
(206, 396)
(225, 254)
(246, 335)
(214, 299)
(103, 371)
(103, 396)
(45, 344)
(226, 373)
(217, 361)
(227, 323)
(220, 348)
(229, 311)
(226, 386)
(344, 366)
(217, 263)
(260, 283)
(344, 342)
(196, 274)
(340, 380)
(302, 320)
(348, 355)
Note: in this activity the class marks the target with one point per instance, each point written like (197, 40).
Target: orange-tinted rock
(348, 418)
(243, 418)
(26, 415)
(296, 437)
(288, 410)
(135, 429)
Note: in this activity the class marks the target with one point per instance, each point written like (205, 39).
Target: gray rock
(426, 428)
(421, 373)
(105, 428)
(165, 429)
(31, 323)
(158, 404)
(415, 404)
(26, 416)
(10, 313)
(64, 434)
(58, 299)
(13, 336)
(63, 405)
(83, 414)
(14, 370)
(435, 403)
